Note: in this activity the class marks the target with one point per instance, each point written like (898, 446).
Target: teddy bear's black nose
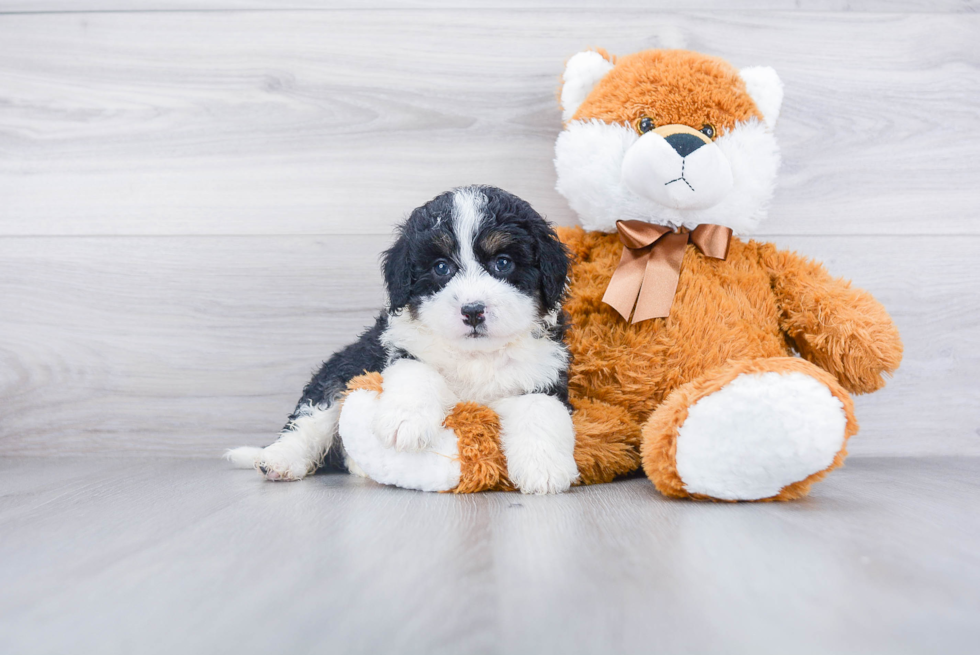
(683, 143)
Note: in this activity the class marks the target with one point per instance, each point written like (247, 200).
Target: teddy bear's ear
(766, 90)
(582, 72)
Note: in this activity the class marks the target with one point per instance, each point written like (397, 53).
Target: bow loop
(637, 234)
(712, 240)
(650, 267)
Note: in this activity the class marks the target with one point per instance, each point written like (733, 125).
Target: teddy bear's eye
(708, 130)
(645, 124)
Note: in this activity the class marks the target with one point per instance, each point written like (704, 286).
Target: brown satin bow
(651, 265)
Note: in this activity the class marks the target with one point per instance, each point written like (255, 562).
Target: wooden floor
(184, 556)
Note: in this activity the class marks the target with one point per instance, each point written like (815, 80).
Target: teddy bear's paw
(406, 426)
(758, 434)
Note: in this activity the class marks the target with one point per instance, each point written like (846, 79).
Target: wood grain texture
(184, 346)
(341, 121)
(108, 556)
(257, 161)
(886, 6)
(189, 338)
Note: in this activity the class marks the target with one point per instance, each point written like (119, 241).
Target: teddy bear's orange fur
(743, 314)
(669, 85)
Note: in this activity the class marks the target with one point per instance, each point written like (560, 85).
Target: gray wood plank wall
(192, 202)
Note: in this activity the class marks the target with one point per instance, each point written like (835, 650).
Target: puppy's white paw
(407, 427)
(538, 440)
(300, 449)
(544, 477)
(282, 463)
(412, 406)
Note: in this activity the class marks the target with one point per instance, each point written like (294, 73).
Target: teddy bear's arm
(842, 329)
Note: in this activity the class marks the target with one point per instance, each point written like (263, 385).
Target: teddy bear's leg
(436, 468)
(483, 466)
(467, 456)
(607, 441)
(762, 429)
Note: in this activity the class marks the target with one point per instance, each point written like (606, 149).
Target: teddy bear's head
(670, 137)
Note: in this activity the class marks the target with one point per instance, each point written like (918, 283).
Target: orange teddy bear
(683, 335)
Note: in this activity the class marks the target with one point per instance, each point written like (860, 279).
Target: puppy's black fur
(511, 227)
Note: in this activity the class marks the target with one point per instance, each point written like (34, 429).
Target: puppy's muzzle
(473, 314)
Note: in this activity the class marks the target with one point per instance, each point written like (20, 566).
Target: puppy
(475, 282)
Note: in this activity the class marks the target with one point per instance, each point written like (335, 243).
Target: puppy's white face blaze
(475, 310)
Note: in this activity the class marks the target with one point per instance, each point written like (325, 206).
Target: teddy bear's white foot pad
(758, 434)
(434, 469)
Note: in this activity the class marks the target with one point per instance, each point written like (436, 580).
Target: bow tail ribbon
(650, 266)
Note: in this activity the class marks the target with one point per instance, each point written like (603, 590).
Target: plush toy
(683, 335)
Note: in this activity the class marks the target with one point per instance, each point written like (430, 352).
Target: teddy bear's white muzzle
(681, 174)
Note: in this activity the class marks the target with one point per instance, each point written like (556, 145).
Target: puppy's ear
(552, 262)
(552, 256)
(397, 268)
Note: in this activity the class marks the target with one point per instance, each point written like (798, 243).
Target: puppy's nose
(684, 144)
(473, 313)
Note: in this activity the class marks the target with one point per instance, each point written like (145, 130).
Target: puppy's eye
(442, 268)
(503, 264)
(645, 124)
(708, 130)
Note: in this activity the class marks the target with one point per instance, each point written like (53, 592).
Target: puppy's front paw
(405, 427)
(543, 477)
(538, 438)
(412, 406)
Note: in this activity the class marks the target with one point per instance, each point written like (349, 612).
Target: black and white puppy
(475, 284)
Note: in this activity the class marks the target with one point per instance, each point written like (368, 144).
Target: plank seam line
(335, 235)
(964, 11)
